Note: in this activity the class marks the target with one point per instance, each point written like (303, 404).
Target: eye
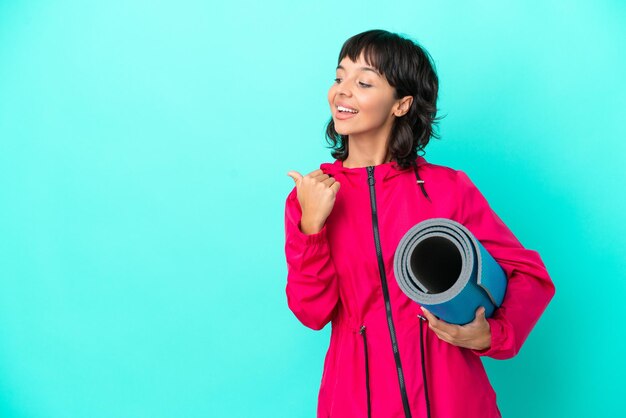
(364, 85)
(337, 80)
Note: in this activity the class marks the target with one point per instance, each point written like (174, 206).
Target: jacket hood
(386, 170)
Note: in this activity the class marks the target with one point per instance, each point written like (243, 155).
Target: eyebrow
(339, 67)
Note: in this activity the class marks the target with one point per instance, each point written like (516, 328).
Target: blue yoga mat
(443, 267)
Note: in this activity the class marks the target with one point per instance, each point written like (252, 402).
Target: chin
(341, 130)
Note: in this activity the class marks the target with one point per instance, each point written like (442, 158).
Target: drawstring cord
(424, 365)
(367, 372)
(420, 182)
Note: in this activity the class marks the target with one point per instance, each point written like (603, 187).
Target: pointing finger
(295, 176)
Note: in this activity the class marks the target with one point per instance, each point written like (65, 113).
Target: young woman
(343, 223)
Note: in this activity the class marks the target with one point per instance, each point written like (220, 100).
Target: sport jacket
(343, 274)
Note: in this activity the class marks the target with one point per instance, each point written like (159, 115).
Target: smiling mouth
(343, 109)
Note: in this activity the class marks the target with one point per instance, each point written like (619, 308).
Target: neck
(366, 152)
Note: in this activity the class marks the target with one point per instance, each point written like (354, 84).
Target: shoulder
(451, 183)
(444, 175)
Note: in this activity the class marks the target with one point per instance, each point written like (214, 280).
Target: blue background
(144, 147)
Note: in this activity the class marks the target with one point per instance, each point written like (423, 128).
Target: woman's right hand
(316, 193)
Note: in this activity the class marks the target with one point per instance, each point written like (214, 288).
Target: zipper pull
(370, 175)
(362, 330)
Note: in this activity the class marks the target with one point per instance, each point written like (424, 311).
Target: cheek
(376, 107)
(331, 94)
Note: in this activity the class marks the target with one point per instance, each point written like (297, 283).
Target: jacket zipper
(383, 279)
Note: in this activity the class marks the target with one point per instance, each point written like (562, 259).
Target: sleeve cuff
(317, 238)
(497, 338)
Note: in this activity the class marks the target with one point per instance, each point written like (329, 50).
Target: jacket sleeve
(312, 290)
(529, 287)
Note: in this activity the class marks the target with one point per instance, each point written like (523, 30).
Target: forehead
(359, 65)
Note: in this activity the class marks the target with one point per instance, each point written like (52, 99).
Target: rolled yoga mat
(443, 267)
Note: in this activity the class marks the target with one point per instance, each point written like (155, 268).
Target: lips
(343, 115)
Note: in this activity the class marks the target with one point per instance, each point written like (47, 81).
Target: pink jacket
(335, 275)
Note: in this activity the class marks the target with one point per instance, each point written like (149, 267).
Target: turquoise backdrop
(144, 147)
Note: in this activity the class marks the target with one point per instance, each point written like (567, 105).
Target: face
(362, 101)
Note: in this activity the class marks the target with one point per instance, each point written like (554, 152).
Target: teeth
(345, 109)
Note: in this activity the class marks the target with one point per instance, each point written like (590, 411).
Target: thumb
(295, 176)
(480, 312)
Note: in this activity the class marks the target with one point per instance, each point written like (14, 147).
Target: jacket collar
(382, 171)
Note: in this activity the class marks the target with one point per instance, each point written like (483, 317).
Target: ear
(403, 106)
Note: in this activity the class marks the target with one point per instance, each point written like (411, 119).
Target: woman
(343, 223)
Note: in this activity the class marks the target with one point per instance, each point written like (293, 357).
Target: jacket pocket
(367, 371)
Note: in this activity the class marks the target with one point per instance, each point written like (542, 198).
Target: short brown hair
(409, 69)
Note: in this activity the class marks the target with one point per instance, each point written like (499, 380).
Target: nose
(344, 89)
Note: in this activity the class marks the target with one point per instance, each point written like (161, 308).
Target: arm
(529, 287)
(312, 291)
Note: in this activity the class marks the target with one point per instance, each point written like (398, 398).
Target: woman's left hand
(476, 335)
